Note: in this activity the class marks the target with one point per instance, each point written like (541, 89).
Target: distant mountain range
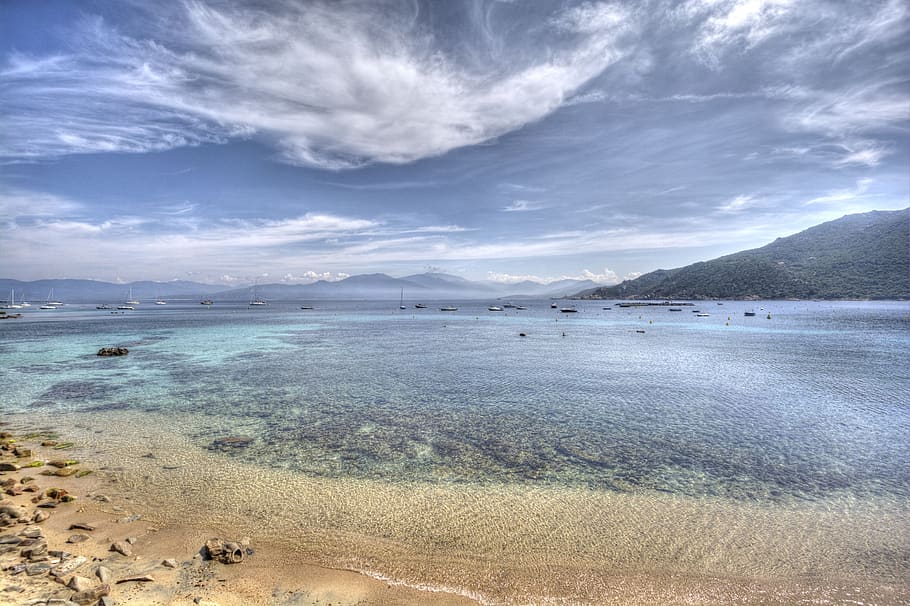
(862, 256)
(416, 288)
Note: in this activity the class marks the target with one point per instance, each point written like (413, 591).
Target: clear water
(783, 420)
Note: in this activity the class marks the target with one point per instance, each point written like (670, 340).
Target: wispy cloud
(843, 195)
(522, 206)
(332, 85)
(607, 276)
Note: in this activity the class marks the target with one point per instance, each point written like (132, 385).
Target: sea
(522, 456)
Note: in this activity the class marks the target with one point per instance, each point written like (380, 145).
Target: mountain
(416, 288)
(862, 256)
(94, 291)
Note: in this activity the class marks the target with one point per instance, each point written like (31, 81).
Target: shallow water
(444, 448)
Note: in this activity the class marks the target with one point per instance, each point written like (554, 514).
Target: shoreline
(285, 571)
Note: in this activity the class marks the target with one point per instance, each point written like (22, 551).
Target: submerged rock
(231, 443)
(113, 351)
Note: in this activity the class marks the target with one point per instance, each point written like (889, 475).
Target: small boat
(494, 308)
(206, 302)
(160, 301)
(420, 306)
(50, 303)
(12, 301)
(130, 300)
(520, 307)
(509, 306)
(448, 309)
(675, 309)
(103, 306)
(401, 301)
(254, 300)
(749, 313)
(552, 305)
(608, 308)
(129, 307)
(306, 307)
(568, 310)
(702, 315)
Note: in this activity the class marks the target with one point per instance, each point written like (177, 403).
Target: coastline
(362, 565)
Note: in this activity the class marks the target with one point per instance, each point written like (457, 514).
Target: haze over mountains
(426, 286)
(861, 256)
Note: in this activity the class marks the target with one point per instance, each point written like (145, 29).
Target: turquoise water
(809, 404)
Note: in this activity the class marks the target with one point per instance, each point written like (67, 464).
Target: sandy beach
(269, 574)
(168, 565)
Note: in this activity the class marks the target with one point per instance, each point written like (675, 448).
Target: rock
(11, 510)
(104, 574)
(61, 570)
(80, 584)
(92, 595)
(170, 563)
(227, 552)
(63, 463)
(122, 547)
(22, 452)
(81, 526)
(38, 568)
(137, 579)
(113, 351)
(131, 540)
(60, 473)
(9, 539)
(14, 491)
(32, 532)
(78, 538)
(106, 601)
(40, 516)
(9, 467)
(231, 443)
(33, 552)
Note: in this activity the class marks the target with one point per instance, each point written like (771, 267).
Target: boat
(401, 300)
(254, 300)
(130, 300)
(494, 308)
(552, 305)
(103, 306)
(206, 302)
(50, 303)
(608, 308)
(420, 306)
(520, 307)
(568, 310)
(448, 309)
(306, 307)
(129, 307)
(159, 300)
(675, 309)
(509, 306)
(12, 301)
(702, 315)
(749, 313)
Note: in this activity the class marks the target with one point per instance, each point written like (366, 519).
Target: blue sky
(291, 141)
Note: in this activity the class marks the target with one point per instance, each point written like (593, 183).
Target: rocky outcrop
(113, 351)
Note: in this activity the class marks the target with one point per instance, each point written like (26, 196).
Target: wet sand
(314, 541)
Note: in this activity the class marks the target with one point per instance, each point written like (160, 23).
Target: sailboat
(131, 300)
(50, 303)
(12, 301)
(159, 300)
(254, 300)
(401, 301)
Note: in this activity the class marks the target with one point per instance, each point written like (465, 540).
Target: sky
(283, 141)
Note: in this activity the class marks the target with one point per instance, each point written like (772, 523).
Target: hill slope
(862, 256)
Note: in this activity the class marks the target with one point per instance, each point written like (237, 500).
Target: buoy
(521, 334)
(650, 321)
(769, 315)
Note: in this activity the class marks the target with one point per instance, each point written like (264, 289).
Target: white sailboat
(131, 300)
(254, 300)
(50, 303)
(159, 300)
(401, 301)
(12, 301)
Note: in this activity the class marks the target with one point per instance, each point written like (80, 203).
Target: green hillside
(863, 256)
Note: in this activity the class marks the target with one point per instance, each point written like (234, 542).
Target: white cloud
(608, 276)
(843, 195)
(522, 206)
(737, 204)
(333, 85)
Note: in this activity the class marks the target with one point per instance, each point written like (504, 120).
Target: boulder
(113, 351)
